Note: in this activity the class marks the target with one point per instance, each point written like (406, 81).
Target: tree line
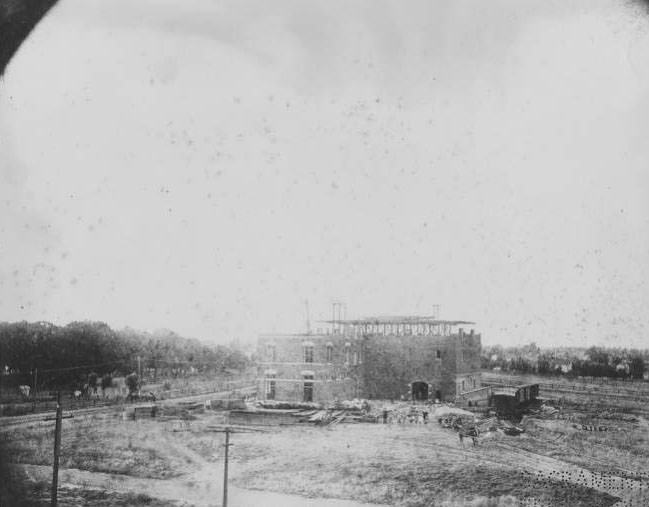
(570, 362)
(80, 351)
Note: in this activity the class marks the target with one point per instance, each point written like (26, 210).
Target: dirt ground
(177, 460)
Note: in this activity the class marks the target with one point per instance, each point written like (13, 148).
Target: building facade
(417, 358)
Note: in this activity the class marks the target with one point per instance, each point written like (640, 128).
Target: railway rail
(627, 400)
(640, 393)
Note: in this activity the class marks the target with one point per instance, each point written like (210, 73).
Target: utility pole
(225, 467)
(57, 450)
(227, 430)
(34, 389)
(139, 369)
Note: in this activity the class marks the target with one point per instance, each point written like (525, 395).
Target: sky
(208, 166)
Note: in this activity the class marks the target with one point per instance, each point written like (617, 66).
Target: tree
(66, 356)
(106, 381)
(132, 382)
(598, 355)
(17, 19)
(531, 348)
(543, 364)
(92, 381)
(637, 367)
(521, 364)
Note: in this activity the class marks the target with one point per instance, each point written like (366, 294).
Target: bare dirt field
(176, 459)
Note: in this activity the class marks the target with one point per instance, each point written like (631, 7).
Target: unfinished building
(419, 358)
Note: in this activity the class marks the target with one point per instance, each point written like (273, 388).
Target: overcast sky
(207, 166)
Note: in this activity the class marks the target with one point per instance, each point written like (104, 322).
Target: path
(201, 492)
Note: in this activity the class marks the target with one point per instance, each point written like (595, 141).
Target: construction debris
(589, 427)
(355, 404)
(355, 411)
(225, 404)
(288, 405)
(402, 412)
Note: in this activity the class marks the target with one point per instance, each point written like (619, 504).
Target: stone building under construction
(420, 358)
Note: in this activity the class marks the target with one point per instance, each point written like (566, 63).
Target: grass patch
(623, 451)
(402, 465)
(111, 446)
(399, 466)
(39, 496)
(418, 486)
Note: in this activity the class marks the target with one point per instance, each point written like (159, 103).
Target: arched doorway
(419, 391)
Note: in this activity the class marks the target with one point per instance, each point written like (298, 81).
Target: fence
(46, 402)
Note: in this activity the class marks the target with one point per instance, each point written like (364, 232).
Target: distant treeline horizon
(550, 348)
(612, 362)
(53, 355)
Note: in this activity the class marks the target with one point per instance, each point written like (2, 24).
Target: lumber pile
(332, 416)
(493, 424)
(352, 411)
(288, 405)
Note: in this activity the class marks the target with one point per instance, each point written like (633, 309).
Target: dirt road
(202, 490)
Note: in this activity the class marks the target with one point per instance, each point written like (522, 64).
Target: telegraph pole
(57, 450)
(34, 390)
(139, 369)
(227, 430)
(225, 467)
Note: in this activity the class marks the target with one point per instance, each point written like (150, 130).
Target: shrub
(106, 381)
(92, 381)
(132, 382)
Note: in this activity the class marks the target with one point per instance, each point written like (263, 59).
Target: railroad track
(554, 388)
(633, 401)
(642, 391)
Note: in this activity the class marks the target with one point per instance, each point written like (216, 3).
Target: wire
(85, 366)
